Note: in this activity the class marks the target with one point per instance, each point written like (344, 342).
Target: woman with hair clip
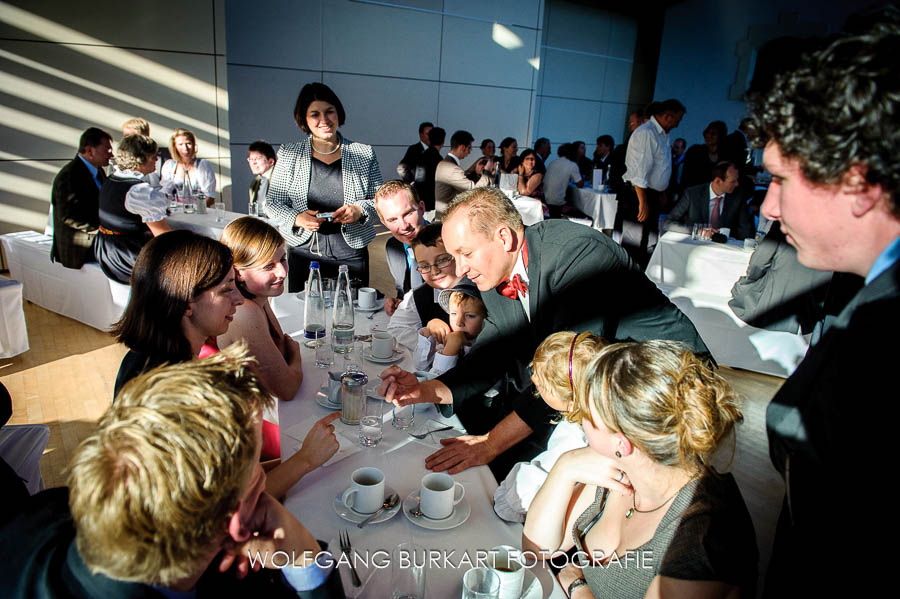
(670, 525)
(183, 296)
(202, 177)
(260, 272)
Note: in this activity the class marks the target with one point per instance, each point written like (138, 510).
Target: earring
(618, 454)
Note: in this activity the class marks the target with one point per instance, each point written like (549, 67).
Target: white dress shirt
(712, 202)
(203, 178)
(560, 173)
(519, 269)
(427, 355)
(405, 322)
(649, 157)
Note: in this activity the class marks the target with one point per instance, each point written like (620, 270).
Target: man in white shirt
(560, 173)
(450, 178)
(261, 157)
(648, 163)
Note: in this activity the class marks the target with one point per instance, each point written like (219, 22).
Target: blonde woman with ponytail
(654, 415)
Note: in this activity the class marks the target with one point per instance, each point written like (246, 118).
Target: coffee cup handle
(462, 492)
(346, 497)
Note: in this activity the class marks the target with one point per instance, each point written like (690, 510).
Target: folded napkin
(347, 436)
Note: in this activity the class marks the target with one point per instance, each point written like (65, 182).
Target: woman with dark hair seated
(509, 156)
(324, 173)
(261, 269)
(530, 181)
(654, 415)
(183, 296)
(131, 210)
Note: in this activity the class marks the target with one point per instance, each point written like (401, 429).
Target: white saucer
(531, 586)
(461, 512)
(352, 515)
(322, 399)
(379, 304)
(367, 354)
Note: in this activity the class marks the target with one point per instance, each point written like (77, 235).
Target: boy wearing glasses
(420, 307)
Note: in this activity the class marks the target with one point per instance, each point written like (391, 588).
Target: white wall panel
(567, 120)
(516, 12)
(284, 33)
(262, 103)
(612, 120)
(388, 158)
(622, 37)
(384, 110)
(575, 27)
(485, 112)
(365, 38)
(470, 55)
(573, 75)
(617, 81)
(182, 27)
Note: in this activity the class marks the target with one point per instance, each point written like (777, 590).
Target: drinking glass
(403, 418)
(372, 420)
(481, 583)
(220, 211)
(408, 571)
(324, 353)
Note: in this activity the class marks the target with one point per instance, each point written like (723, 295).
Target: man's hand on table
(402, 388)
(461, 453)
(390, 305)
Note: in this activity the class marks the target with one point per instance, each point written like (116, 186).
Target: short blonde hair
(179, 133)
(488, 208)
(662, 398)
(389, 189)
(135, 150)
(458, 297)
(138, 125)
(551, 361)
(151, 491)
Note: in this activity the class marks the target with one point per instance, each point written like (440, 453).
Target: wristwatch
(576, 584)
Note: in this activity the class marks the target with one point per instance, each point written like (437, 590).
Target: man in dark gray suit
(713, 205)
(75, 200)
(534, 281)
(400, 210)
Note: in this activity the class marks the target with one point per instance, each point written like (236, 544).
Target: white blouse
(203, 177)
(146, 200)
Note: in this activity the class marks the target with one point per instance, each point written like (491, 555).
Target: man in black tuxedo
(428, 163)
(406, 169)
(403, 213)
(713, 205)
(75, 200)
(535, 281)
(542, 149)
(835, 416)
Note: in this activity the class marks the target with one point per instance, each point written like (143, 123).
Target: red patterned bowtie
(513, 288)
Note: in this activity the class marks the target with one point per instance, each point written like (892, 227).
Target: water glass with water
(220, 211)
(403, 418)
(371, 421)
(481, 583)
(324, 353)
(408, 571)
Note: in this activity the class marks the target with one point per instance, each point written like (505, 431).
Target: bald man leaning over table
(534, 281)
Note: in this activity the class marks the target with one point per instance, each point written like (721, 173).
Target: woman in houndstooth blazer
(325, 173)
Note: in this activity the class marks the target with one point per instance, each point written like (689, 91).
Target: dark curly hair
(841, 106)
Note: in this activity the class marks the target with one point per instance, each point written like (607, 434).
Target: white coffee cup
(725, 231)
(383, 344)
(366, 297)
(366, 492)
(504, 561)
(438, 494)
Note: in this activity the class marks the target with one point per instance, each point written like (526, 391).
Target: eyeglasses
(439, 264)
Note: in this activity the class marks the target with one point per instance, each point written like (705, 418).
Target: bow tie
(513, 288)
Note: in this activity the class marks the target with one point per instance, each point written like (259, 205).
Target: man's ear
(507, 237)
(865, 195)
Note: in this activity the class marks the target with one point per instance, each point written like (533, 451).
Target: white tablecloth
(698, 276)
(204, 224)
(402, 459)
(601, 207)
(13, 334)
(531, 209)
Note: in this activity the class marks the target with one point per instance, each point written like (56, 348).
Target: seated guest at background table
(261, 158)
(701, 158)
(560, 173)
(309, 178)
(428, 163)
(140, 126)
(488, 150)
(530, 182)
(585, 165)
(163, 498)
(654, 415)
(542, 152)
(437, 350)
(678, 151)
(75, 200)
(408, 165)
(200, 173)
(420, 306)
(450, 178)
(261, 268)
(183, 296)
(132, 211)
(509, 156)
(400, 210)
(603, 153)
(570, 270)
(713, 205)
(556, 360)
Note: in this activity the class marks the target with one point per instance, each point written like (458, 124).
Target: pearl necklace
(336, 148)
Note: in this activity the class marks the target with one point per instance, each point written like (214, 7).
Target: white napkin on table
(347, 436)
